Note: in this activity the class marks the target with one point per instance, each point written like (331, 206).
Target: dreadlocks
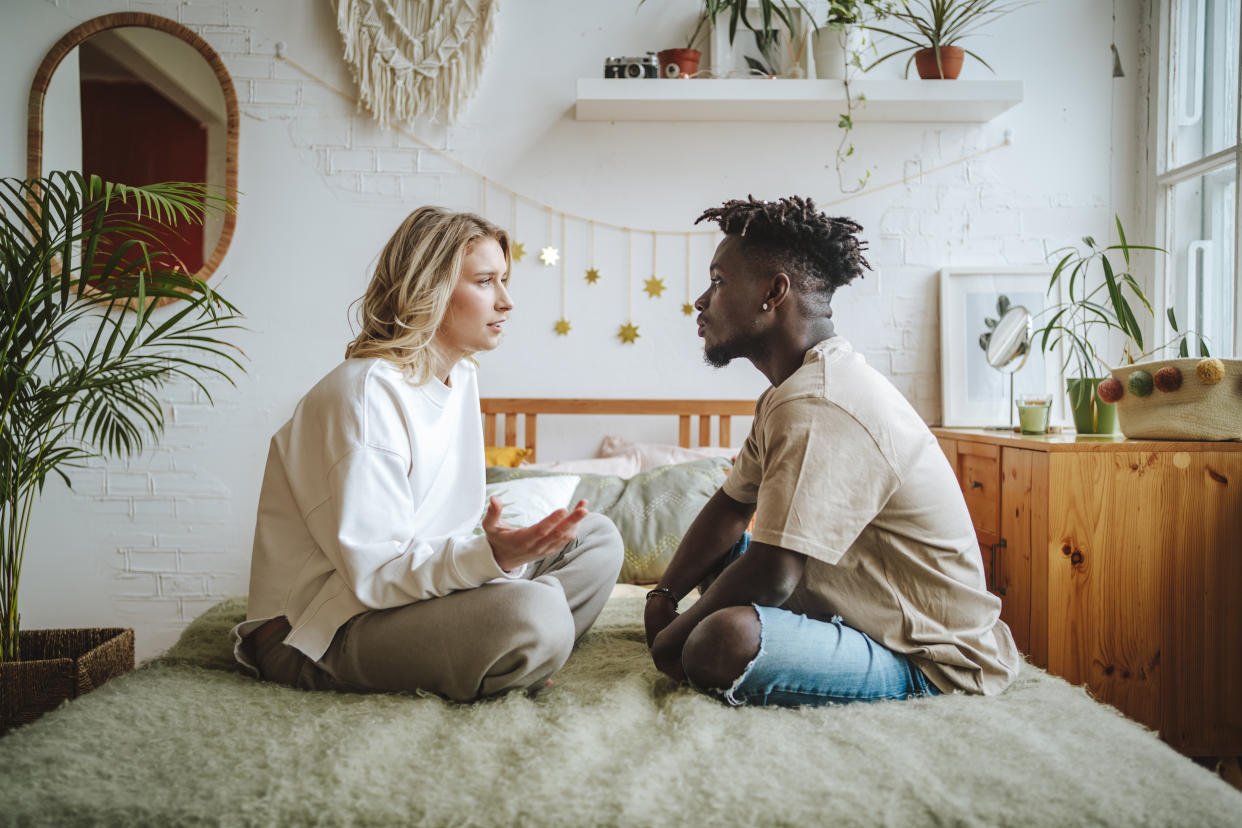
(819, 253)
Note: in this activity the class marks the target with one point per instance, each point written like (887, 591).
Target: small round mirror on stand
(1010, 345)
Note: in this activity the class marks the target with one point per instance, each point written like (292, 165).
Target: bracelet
(665, 592)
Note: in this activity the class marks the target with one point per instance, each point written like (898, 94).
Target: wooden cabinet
(1119, 566)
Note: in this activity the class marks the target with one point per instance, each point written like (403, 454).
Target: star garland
(592, 273)
(562, 325)
(688, 307)
(654, 285)
(628, 333)
(517, 249)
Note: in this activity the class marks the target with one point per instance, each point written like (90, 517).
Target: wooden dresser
(1119, 566)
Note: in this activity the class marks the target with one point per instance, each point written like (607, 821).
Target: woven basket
(1195, 411)
(56, 665)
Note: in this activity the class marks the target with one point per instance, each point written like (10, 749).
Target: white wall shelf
(758, 99)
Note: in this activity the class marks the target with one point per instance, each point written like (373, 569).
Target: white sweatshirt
(369, 500)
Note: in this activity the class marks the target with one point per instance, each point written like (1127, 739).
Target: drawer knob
(975, 484)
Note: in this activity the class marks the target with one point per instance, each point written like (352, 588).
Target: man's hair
(819, 253)
(414, 278)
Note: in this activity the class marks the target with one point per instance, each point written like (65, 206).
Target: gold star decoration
(654, 287)
(549, 256)
(592, 275)
(518, 251)
(562, 327)
(628, 333)
(687, 309)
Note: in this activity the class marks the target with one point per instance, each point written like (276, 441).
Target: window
(1198, 175)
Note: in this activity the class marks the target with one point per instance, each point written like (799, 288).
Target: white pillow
(528, 500)
(651, 455)
(620, 465)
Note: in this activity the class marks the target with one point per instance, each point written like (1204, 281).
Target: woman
(367, 572)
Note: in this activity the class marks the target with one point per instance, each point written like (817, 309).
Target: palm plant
(82, 347)
(1088, 314)
(936, 23)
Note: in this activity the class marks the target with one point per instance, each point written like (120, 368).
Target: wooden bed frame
(529, 410)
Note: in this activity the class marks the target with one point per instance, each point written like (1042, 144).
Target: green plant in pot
(1094, 311)
(934, 27)
(839, 45)
(84, 346)
(683, 62)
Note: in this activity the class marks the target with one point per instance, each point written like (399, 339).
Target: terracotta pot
(679, 63)
(56, 665)
(950, 58)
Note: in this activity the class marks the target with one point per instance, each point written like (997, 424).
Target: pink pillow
(619, 465)
(651, 455)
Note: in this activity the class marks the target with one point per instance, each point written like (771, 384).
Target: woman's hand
(513, 547)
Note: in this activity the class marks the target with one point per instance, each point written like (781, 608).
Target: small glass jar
(1033, 412)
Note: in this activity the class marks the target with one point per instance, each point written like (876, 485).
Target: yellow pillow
(508, 456)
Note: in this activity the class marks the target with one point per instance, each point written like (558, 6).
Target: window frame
(1166, 179)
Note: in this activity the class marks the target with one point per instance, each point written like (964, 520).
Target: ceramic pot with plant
(839, 44)
(683, 62)
(932, 29)
(85, 349)
(1095, 311)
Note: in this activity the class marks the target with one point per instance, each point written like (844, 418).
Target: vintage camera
(632, 67)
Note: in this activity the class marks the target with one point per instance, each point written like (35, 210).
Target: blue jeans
(805, 661)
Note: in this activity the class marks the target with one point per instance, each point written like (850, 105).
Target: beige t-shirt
(845, 472)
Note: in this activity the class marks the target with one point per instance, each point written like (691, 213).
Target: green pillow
(652, 510)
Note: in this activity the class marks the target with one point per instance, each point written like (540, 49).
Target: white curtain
(415, 58)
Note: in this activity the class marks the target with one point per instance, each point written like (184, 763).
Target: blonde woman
(366, 573)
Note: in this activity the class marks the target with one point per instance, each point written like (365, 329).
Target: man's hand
(513, 547)
(666, 652)
(658, 614)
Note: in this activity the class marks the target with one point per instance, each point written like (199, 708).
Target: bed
(187, 739)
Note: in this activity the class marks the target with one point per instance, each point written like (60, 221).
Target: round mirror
(1010, 342)
(138, 99)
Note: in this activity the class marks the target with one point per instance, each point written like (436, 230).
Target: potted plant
(762, 18)
(838, 47)
(934, 26)
(683, 62)
(1091, 314)
(843, 38)
(83, 349)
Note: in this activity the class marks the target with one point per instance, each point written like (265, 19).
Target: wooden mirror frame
(38, 90)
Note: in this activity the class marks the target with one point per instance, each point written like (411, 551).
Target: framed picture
(972, 299)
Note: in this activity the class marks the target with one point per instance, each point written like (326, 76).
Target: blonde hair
(414, 278)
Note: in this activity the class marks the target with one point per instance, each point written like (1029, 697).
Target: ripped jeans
(805, 661)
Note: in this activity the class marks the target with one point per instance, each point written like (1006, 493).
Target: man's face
(730, 307)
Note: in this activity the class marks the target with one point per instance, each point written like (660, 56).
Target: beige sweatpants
(468, 644)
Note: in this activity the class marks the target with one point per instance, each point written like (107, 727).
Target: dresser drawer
(979, 472)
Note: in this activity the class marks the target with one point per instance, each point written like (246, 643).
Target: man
(861, 579)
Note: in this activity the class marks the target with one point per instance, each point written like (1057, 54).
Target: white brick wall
(156, 540)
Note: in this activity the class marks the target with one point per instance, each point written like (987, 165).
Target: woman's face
(480, 303)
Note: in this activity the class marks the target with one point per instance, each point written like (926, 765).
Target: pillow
(651, 510)
(507, 456)
(652, 455)
(620, 465)
(530, 499)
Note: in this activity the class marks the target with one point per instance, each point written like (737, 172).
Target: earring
(765, 305)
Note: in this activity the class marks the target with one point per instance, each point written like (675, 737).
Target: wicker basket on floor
(56, 665)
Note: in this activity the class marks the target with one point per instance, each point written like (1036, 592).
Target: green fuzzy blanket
(189, 740)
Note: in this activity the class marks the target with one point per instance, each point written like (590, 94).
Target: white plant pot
(833, 48)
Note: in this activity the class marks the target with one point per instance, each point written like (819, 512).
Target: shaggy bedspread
(188, 740)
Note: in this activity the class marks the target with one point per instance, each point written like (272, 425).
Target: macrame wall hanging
(413, 58)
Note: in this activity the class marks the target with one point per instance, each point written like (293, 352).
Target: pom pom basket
(1195, 411)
